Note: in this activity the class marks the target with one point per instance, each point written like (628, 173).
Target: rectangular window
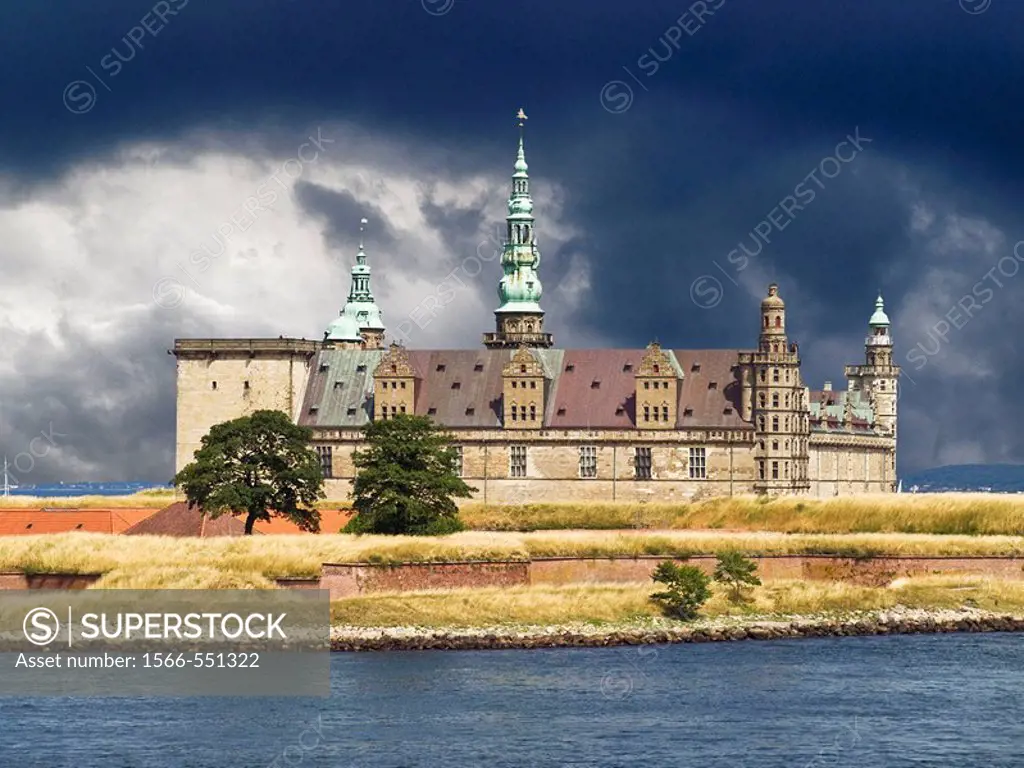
(760, 469)
(775, 470)
(515, 412)
(522, 413)
(642, 464)
(664, 413)
(326, 454)
(588, 461)
(647, 413)
(458, 461)
(698, 464)
(533, 413)
(517, 461)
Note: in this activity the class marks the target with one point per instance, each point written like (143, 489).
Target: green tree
(260, 465)
(687, 589)
(407, 480)
(736, 571)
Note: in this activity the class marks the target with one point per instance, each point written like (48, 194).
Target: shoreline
(346, 639)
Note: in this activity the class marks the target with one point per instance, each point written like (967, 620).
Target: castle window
(459, 466)
(787, 375)
(766, 321)
(394, 368)
(760, 469)
(711, 384)
(339, 384)
(514, 413)
(360, 369)
(655, 414)
(470, 411)
(456, 385)
(245, 385)
(642, 464)
(403, 385)
(570, 368)
(775, 423)
(647, 385)
(514, 384)
(627, 367)
(401, 408)
(727, 410)
(687, 411)
(325, 452)
(351, 411)
(517, 461)
(595, 384)
(522, 413)
(762, 375)
(431, 411)
(213, 385)
(440, 367)
(561, 411)
(698, 464)
(787, 423)
(657, 368)
(778, 321)
(533, 385)
(787, 400)
(760, 423)
(775, 445)
(647, 413)
(394, 385)
(588, 461)
(787, 470)
(881, 385)
(522, 369)
(664, 413)
(760, 400)
(478, 367)
(775, 400)
(533, 413)
(695, 368)
(620, 411)
(775, 470)
(775, 375)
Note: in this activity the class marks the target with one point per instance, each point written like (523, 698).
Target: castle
(532, 422)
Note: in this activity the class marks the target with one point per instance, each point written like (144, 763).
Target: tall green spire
(519, 317)
(360, 310)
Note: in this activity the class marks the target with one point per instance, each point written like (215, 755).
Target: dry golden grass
(157, 498)
(547, 605)
(940, 513)
(299, 556)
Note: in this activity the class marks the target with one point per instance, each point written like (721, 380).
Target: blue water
(942, 700)
(83, 489)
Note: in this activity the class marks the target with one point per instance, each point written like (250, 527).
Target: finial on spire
(521, 117)
(362, 229)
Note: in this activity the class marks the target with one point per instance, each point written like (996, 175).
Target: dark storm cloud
(730, 104)
(341, 213)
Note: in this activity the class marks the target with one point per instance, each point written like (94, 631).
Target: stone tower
(878, 378)
(519, 320)
(776, 400)
(359, 323)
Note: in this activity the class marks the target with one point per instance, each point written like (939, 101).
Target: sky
(182, 169)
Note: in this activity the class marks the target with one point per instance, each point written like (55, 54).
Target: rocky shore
(890, 622)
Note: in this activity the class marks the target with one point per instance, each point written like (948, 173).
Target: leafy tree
(261, 465)
(407, 480)
(687, 589)
(737, 572)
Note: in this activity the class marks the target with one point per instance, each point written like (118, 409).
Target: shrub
(736, 571)
(687, 589)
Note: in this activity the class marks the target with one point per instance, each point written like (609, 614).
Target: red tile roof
(29, 521)
(180, 520)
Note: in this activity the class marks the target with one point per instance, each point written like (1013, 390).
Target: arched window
(760, 399)
(518, 233)
(766, 321)
(778, 321)
(775, 400)
(526, 233)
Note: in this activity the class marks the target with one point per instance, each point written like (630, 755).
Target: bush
(687, 589)
(737, 572)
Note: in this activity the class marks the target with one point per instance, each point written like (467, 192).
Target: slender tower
(519, 320)
(777, 404)
(360, 321)
(878, 377)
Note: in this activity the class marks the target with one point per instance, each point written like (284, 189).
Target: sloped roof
(585, 388)
(30, 521)
(340, 389)
(182, 521)
(828, 411)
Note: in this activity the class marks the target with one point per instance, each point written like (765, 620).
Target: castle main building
(532, 422)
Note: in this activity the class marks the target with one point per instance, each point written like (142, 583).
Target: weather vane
(362, 226)
(521, 117)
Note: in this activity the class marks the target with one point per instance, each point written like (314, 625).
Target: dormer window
(627, 367)
(687, 411)
(595, 384)
(561, 411)
(570, 368)
(431, 411)
(712, 385)
(478, 367)
(440, 367)
(456, 385)
(362, 368)
(657, 368)
(695, 368)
